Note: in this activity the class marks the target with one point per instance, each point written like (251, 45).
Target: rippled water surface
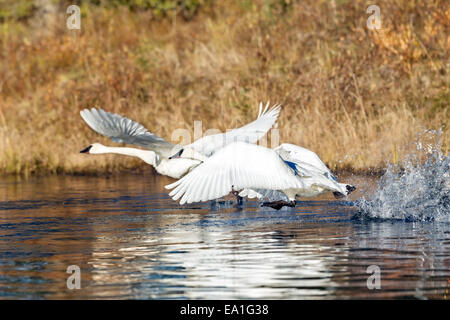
(132, 242)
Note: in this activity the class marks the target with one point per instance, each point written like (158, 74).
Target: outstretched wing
(309, 166)
(305, 159)
(237, 166)
(122, 129)
(250, 133)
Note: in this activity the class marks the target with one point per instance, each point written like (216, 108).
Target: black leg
(279, 204)
(239, 199)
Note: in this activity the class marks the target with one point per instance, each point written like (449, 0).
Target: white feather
(122, 129)
(237, 166)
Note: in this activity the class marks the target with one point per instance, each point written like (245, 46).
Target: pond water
(131, 241)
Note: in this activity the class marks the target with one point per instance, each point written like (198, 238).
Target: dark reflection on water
(131, 241)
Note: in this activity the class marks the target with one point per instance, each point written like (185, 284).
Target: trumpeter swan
(122, 129)
(284, 173)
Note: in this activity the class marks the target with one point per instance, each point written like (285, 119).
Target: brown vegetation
(355, 96)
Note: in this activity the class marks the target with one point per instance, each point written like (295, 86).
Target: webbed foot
(279, 204)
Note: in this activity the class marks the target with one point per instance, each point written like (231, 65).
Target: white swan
(284, 173)
(122, 129)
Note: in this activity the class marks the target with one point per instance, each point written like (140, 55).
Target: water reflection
(131, 241)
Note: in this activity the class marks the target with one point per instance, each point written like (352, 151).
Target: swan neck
(147, 156)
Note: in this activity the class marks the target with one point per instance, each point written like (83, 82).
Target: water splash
(416, 190)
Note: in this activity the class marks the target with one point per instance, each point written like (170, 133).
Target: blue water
(132, 242)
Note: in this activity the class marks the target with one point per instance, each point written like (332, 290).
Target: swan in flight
(255, 171)
(159, 151)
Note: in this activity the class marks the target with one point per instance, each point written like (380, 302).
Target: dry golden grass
(355, 96)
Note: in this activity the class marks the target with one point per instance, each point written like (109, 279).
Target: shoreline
(148, 171)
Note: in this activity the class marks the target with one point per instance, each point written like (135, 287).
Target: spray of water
(418, 189)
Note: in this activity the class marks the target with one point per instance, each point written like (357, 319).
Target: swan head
(95, 148)
(188, 153)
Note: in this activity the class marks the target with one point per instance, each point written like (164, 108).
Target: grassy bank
(355, 96)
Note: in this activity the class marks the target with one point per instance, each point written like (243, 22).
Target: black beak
(86, 150)
(177, 155)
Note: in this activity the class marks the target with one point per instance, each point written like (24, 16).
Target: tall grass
(355, 96)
